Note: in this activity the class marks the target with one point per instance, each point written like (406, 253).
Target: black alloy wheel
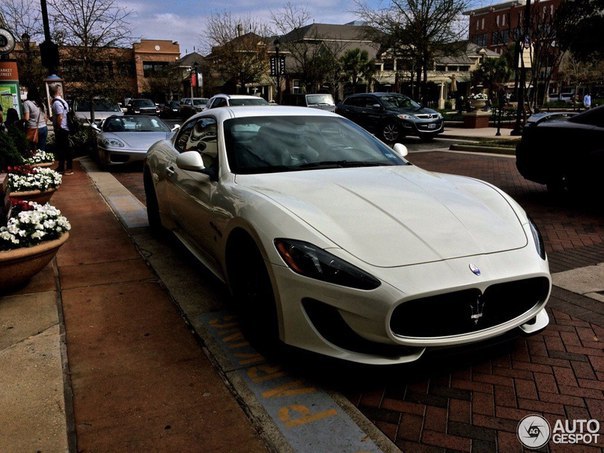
(391, 132)
(253, 297)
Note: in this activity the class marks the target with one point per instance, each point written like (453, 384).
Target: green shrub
(9, 154)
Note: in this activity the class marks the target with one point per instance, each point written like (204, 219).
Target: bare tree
(420, 28)
(91, 31)
(239, 50)
(21, 17)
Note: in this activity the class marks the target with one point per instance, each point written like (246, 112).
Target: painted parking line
(307, 417)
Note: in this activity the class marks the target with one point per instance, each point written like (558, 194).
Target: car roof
(237, 96)
(225, 113)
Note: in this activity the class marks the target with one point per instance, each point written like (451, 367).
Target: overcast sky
(183, 20)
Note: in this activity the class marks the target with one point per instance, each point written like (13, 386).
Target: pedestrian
(587, 101)
(12, 118)
(60, 108)
(34, 116)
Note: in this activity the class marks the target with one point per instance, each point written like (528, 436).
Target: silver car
(126, 139)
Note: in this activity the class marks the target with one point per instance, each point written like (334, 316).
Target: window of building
(389, 65)
(151, 67)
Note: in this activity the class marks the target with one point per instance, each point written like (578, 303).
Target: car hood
(138, 140)
(396, 216)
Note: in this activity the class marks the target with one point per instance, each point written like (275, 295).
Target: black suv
(391, 116)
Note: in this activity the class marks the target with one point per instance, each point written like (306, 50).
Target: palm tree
(357, 66)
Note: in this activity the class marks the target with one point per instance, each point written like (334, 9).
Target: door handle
(170, 170)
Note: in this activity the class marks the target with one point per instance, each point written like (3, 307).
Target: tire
(253, 296)
(152, 204)
(391, 132)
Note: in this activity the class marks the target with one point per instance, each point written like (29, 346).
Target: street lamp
(26, 40)
(521, 81)
(277, 43)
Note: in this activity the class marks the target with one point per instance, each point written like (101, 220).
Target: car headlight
(406, 116)
(112, 143)
(537, 238)
(311, 261)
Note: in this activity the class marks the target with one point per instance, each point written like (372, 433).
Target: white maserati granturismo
(331, 241)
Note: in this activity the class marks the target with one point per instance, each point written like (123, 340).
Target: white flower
(39, 179)
(40, 157)
(29, 227)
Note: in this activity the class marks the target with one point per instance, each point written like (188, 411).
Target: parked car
(125, 139)
(103, 108)
(391, 116)
(170, 109)
(223, 100)
(565, 154)
(538, 118)
(142, 106)
(191, 106)
(318, 101)
(331, 241)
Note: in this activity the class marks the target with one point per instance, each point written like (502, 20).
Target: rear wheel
(253, 295)
(391, 132)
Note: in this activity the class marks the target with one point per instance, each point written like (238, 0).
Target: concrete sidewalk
(96, 357)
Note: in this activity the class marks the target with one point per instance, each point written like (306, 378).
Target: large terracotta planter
(18, 266)
(38, 196)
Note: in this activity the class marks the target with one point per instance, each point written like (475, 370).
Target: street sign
(277, 68)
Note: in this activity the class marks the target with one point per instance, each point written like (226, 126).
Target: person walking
(60, 108)
(35, 121)
(587, 101)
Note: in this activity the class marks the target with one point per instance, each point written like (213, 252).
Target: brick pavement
(472, 402)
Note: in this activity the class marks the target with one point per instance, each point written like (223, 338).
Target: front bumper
(356, 325)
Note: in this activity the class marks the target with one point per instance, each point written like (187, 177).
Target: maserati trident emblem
(477, 309)
(474, 268)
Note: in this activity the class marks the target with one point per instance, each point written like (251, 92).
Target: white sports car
(333, 242)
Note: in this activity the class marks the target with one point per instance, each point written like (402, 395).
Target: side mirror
(190, 160)
(95, 127)
(376, 107)
(175, 128)
(400, 149)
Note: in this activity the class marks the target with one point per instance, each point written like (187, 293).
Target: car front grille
(469, 310)
(427, 116)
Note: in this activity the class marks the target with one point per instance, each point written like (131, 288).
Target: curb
(483, 148)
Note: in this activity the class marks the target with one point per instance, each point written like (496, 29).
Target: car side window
(219, 102)
(183, 136)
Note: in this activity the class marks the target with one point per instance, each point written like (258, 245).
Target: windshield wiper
(342, 164)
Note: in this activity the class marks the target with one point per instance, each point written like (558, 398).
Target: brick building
(497, 26)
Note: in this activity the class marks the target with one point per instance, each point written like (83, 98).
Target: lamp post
(277, 43)
(26, 40)
(521, 44)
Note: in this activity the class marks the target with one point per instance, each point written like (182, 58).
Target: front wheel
(253, 296)
(391, 132)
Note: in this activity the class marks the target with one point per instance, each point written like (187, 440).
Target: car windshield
(399, 102)
(318, 99)
(200, 102)
(134, 124)
(143, 103)
(250, 101)
(100, 105)
(294, 143)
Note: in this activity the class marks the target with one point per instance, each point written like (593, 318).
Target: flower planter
(478, 103)
(39, 196)
(19, 265)
(43, 164)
